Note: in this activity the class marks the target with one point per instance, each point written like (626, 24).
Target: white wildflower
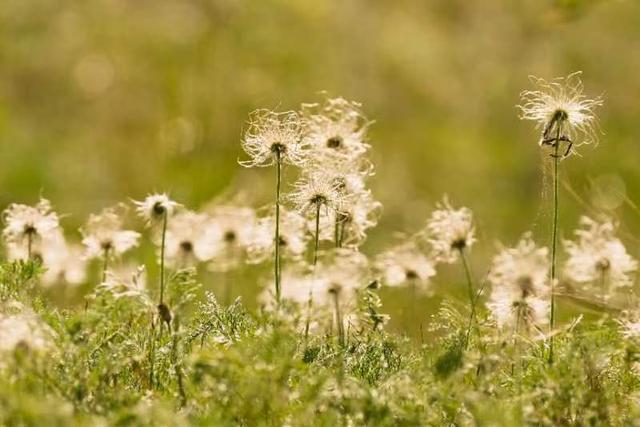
(316, 191)
(599, 256)
(405, 264)
(520, 289)
(229, 232)
(293, 237)
(154, 207)
(187, 242)
(127, 283)
(64, 263)
(450, 231)
(103, 235)
(561, 110)
(21, 328)
(27, 227)
(335, 128)
(273, 137)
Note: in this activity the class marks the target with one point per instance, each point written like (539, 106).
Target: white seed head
(24, 224)
(560, 108)
(154, 207)
(64, 263)
(186, 242)
(20, 327)
(597, 255)
(293, 237)
(271, 137)
(335, 129)
(103, 234)
(405, 264)
(227, 234)
(520, 289)
(127, 282)
(315, 189)
(449, 231)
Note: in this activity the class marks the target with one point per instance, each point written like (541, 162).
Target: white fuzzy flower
(20, 327)
(561, 110)
(630, 327)
(127, 283)
(316, 190)
(598, 255)
(520, 289)
(299, 284)
(28, 226)
(273, 137)
(293, 237)
(154, 207)
(343, 272)
(228, 232)
(355, 217)
(64, 263)
(405, 264)
(103, 234)
(449, 231)
(187, 243)
(335, 128)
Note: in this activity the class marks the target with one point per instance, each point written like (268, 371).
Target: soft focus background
(102, 100)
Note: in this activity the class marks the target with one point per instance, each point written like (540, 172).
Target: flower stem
(29, 245)
(277, 232)
(339, 325)
(554, 238)
(472, 299)
(162, 245)
(317, 235)
(105, 265)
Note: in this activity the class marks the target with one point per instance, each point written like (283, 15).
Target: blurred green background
(102, 100)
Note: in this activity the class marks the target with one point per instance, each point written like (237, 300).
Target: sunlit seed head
(154, 207)
(597, 254)
(293, 236)
(562, 111)
(404, 265)
(449, 231)
(103, 234)
(273, 137)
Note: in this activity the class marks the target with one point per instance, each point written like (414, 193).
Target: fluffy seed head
(597, 255)
(28, 224)
(519, 295)
(271, 137)
(449, 231)
(560, 108)
(315, 189)
(405, 264)
(103, 234)
(154, 207)
(293, 236)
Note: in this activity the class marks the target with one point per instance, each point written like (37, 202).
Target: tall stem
(472, 299)
(29, 245)
(339, 325)
(317, 235)
(554, 238)
(105, 264)
(277, 232)
(162, 245)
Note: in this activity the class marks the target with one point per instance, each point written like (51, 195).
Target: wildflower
(520, 289)
(355, 217)
(561, 110)
(26, 226)
(155, 207)
(315, 190)
(343, 272)
(229, 232)
(293, 237)
(21, 328)
(127, 283)
(335, 128)
(273, 138)
(103, 235)
(598, 255)
(64, 263)
(405, 264)
(450, 231)
(186, 244)
(300, 285)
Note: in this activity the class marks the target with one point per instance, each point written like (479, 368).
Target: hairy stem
(277, 231)
(338, 314)
(554, 238)
(317, 235)
(105, 264)
(472, 299)
(162, 245)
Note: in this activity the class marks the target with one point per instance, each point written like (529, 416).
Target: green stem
(317, 235)
(336, 231)
(472, 299)
(162, 245)
(554, 238)
(339, 324)
(105, 265)
(29, 245)
(277, 232)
